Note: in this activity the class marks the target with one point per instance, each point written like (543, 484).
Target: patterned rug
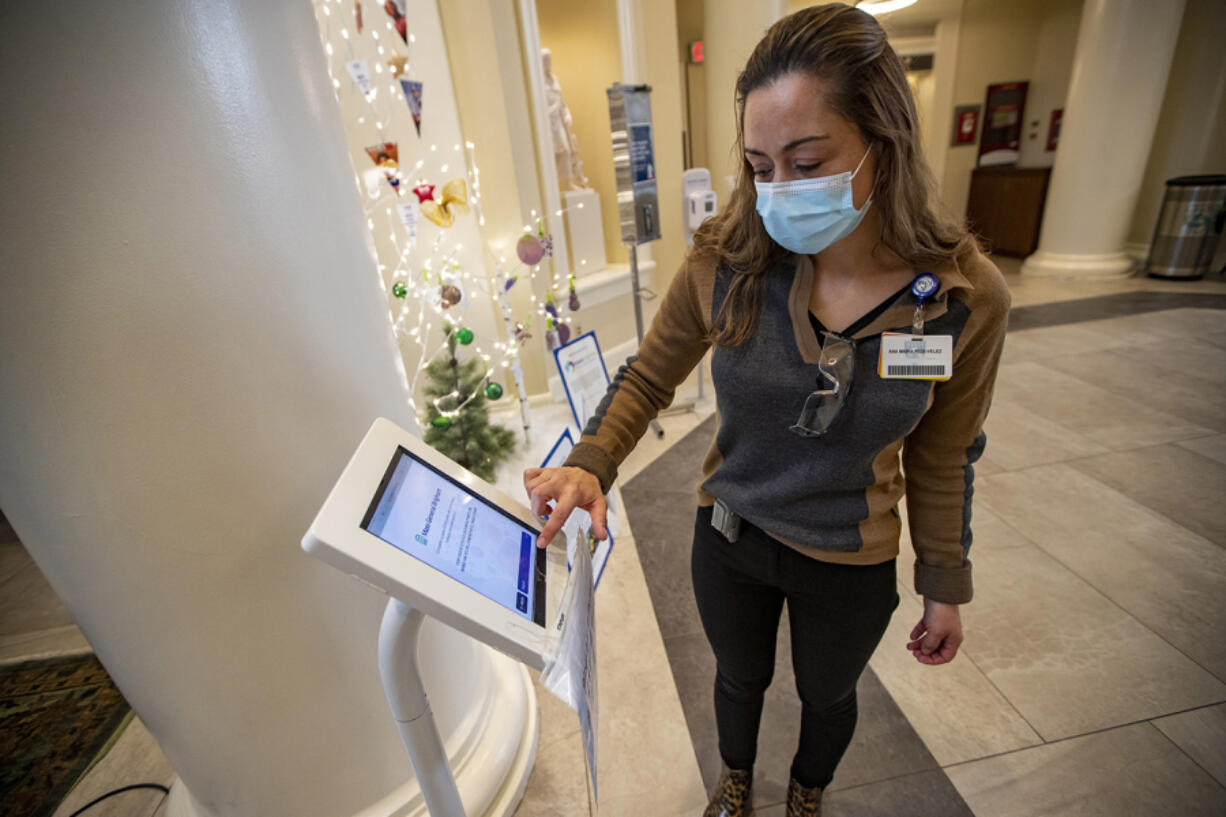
(56, 717)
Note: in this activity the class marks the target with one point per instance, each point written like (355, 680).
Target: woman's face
(791, 133)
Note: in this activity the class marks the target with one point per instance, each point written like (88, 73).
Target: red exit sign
(696, 51)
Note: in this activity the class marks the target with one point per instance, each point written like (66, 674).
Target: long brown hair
(866, 85)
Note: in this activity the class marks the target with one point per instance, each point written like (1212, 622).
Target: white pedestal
(584, 232)
(1043, 264)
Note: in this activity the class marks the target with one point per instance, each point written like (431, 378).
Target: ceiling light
(876, 7)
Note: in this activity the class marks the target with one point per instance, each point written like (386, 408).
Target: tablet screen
(431, 517)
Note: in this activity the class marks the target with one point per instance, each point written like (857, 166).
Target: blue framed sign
(580, 523)
(584, 376)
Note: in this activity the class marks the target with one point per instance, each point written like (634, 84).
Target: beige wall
(733, 28)
(586, 60)
(488, 67)
(664, 69)
(584, 39)
(1191, 135)
(690, 27)
(997, 42)
(1049, 78)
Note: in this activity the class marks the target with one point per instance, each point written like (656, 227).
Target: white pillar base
(501, 735)
(1044, 264)
(1137, 251)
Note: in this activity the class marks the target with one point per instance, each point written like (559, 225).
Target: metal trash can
(1189, 226)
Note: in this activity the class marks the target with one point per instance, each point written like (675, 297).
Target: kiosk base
(484, 748)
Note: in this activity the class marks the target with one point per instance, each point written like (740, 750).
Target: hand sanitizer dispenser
(698, 200)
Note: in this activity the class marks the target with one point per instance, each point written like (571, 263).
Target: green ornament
(400, 289)
(493, 391)
(440, 421)
(464, 336)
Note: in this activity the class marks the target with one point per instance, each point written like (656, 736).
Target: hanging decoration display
(573, 303)
(424, 192)
(529, 250)
(532, 249)
(412, 95)
(386, 156)
(430, 283)
(449, 295)
(395, 10)
(408, 217)
(373, 179)
(360, 73)
(452, 202)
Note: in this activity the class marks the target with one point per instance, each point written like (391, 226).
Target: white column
(1124, 51)
(194, 341)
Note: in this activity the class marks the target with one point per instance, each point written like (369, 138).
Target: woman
(826, 249)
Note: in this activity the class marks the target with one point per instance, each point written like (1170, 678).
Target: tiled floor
(1092, 680)
(1092, 677)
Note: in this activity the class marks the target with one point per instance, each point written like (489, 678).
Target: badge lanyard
(916, 356)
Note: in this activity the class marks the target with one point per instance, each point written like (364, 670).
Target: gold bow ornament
(454, 201)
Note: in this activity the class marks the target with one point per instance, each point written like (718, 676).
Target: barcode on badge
(915, 370)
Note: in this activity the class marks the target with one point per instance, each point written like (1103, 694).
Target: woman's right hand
(568, 488)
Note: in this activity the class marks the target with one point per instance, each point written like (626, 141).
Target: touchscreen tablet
(413, 524)
(425, 513)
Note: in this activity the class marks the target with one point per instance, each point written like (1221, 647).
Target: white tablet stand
(411, 709)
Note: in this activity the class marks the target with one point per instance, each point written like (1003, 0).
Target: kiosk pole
(638, 316)
(407, 697)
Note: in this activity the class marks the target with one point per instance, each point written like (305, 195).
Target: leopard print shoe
(732, 795)
(803, 802)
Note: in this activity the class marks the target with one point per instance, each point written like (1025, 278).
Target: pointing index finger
(556, 520)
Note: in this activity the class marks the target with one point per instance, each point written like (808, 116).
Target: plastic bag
(570, 673)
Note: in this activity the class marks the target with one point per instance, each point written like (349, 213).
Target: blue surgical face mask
(808, 215)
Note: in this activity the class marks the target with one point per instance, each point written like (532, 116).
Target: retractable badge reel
(917, 356)
(922, 288)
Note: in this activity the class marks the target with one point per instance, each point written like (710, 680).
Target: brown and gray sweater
(834, 497)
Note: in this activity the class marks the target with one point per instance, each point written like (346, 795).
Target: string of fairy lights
(432, 290)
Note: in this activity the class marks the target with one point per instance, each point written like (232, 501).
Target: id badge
(916, 357)
(725, 521)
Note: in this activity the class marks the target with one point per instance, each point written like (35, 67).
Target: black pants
(838, 614)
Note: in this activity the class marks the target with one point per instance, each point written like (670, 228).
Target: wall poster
(1053, 130)
(1002, 124)
(966, 123)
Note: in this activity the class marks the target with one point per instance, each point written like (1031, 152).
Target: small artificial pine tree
(468, 438)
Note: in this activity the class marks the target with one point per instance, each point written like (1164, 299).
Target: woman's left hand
(935, 640)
